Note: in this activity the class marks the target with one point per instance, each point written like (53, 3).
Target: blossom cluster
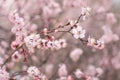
(34, 40)
(99, 44)
(91, 73)
(19, 29)
(79, 33)
(28, 38)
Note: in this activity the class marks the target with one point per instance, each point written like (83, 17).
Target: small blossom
(97, 44)
(4, 75)
(50, 8)
(33, 71)
(91, 41)
(45, 31)
(62, 71)
(63, 43)
(14, 45)
(75, 54)
(53, 44)
(111, 18)
(78, 73)
(72, 23)
(4, 44)
(99, 71)
(78, 31)
(19, 28)
(85, 12)
(32, 41)
(109, 36)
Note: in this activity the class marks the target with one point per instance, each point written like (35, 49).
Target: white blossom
(78, 31)
(33, 71)
(85, 12)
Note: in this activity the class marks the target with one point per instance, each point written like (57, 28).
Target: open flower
(62, 71)
(99, 44)
(85, 12)
(78, 31)
(33, 71)
(32, 40)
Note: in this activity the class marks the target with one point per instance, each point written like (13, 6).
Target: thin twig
(11, 55)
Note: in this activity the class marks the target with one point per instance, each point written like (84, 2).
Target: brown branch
(11, 55)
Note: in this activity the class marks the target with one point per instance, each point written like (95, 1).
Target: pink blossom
(33, 71)
(19, 28)
(54, 44)
(99, 71)
(78, 31)
(32, 41)
(75, 54)
(4, 75)
(16, 56)
(4, 43)
(62, 71)
(109, 36)
(78, 73)
(85, 12)
(14, 45)
(99, 44)
(111, 18)
(50, 8)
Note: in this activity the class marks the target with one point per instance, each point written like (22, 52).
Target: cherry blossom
(32, 41)
(62, 71)
(4, 75)
(33, 71)
(78, 31)
(47, 28)
(78, 73)
(85, 12)
(75, 54)
(99, 44)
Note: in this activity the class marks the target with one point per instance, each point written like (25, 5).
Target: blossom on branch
(32, 41)
(85, 12)
(78, 31)
(4, 75)
(99, 44)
